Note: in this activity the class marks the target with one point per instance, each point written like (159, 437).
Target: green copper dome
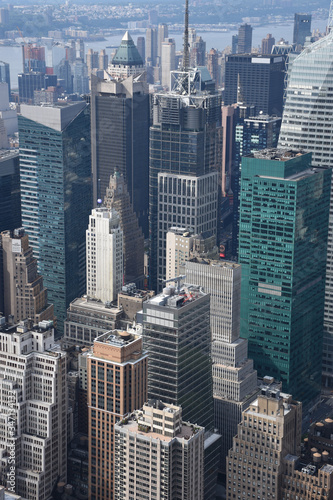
(127, 53)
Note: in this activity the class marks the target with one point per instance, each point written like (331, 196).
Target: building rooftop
(217, 263)
(134, 423)
(174, 299)
(5, 154)
(117, 338)
(127, 53)
(95, 305)
(277, 154)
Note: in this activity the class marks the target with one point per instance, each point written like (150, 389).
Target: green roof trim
(127, 53)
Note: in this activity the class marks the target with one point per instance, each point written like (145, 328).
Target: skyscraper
(252, 133)
(120, 128)
(234, 380)
(10, 197)
(55, 172)
(270, 431)
(302, 28)
(168, 58)
(244, 39)
(162, 34)
(141, 45)
(5, 75)
(103, 60)
(179, 370)
(104, 250)
(33, 409)
(151, 46)
(165, 454)
(261, 79)
(213, 66)
(92, 60)
(267, 44)
(304, 125)
(184, 158)
(284, 206)
(117, 385)
(24, 294)
(117, 198)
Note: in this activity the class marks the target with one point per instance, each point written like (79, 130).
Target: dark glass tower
(284, 208)
(261, 79)
(10, 199)
(251, 134)
(120, 128)
(302, 28)
(55, 170)
(244, 39)
(176, 334)
(184, 145)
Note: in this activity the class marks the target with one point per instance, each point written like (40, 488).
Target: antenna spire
(186, 56)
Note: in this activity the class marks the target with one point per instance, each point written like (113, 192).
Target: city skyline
(142, 355)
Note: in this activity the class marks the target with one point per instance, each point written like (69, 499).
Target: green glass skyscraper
(55, 173)
(284, 208)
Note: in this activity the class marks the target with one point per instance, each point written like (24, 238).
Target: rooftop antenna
(330, 19)
(186, 56)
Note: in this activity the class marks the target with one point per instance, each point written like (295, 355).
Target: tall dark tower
(183, 162)
(119, 128)
(245, 39)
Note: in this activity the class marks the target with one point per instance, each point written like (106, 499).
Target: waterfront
(213, 39)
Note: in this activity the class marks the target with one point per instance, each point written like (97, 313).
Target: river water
(220, 40)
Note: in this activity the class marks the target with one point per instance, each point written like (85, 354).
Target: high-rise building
(252, 133)
(141, 46)
(117, 385)
(234, 379)
(28, 83)
(55, 170)
(302, 28)
(80, 77)
(159, 456)
(234, 44)
(24, 294)
(213, 66)
(244, 39)
(284, 207)
(304, 126)
(87, 319)
(168, 60)
(183, 164)
(179, 352)
(151, 46)
(103, 60)
(33, 409)
(92, 60)
(269, 431)
(162, 34)
(5, 75)
(176, 335)
(104, 251)
(34, 59)
(120, 132)
(10, 199)
(197, 52)
(182, 244)
(117, 198)
(179, 244)
(261, 79)
(267, 44)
